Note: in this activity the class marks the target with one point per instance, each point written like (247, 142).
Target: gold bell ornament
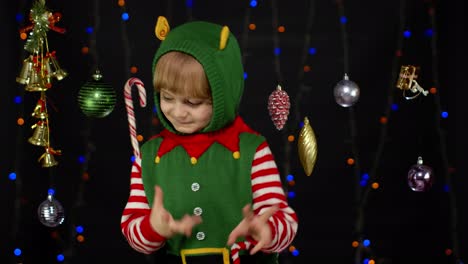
(55, 69)
(40, 135)
(47, 70)
(36, 82)
(47, 159)
(40, 110)
(307, 147)
(23, 77)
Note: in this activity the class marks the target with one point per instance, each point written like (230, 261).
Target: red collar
(195, 145)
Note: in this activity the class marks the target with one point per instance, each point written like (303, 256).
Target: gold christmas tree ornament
(407, 82)
(47, 159)
(307, 147)
(39, 70)
(41, 66)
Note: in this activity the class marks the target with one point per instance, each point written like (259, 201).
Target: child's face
(187, 114)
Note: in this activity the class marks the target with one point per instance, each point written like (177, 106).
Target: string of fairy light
(361, 243)
(125, 19)
(447, 170)
(16, 175)
(131, 69)
(76, 231)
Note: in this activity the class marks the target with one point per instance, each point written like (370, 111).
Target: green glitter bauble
(96, 99)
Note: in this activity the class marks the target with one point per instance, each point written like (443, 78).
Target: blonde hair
(181, 73)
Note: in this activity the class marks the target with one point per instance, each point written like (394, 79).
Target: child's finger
(257, 247)
(246, 211)
(232, 237)
(158, 198)
(186, 224)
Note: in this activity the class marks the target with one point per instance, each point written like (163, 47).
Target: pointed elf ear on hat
(223, 37)
(162, 28)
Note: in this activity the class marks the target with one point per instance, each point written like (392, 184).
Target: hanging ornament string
(346, 94)
(278, 101)
(373, 176)
(277, 64)
(306, 142)
(130, 110)
(305, 51)
(352, 119)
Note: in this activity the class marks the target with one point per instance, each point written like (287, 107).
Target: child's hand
(163, 222)
(255, 226)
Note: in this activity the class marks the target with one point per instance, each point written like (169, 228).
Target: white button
(200, 235)
(195, 186)
(197, 211)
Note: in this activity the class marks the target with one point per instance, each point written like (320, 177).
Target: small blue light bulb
(12, 176)
(125, 16)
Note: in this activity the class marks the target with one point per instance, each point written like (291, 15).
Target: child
(207, 185)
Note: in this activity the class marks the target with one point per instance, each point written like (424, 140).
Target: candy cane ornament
(130, 112)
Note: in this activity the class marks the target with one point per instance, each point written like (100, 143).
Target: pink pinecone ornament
(278, 106)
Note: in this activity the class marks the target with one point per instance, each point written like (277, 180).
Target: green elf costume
(213, 173)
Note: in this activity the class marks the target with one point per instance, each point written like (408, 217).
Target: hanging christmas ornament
(41, 66)
(53, 67)
(96, 98)
(346, 92)
(420, 177)
(40, 111)
(307, 147)
(278, 107)
(26, 69)
(40, 136)
(407, 82)
(51, 212)
(37, 80)
(47, 159)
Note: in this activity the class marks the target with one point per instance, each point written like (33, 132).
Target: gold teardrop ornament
(307, 147)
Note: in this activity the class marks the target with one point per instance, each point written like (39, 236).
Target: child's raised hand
(163, 222)
(255, 226)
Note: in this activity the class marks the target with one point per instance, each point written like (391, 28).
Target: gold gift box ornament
(407, 81)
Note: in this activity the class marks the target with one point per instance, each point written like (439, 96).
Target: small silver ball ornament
(346, 92)
(50, 212)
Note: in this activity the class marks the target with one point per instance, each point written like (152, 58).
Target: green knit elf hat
(218, 52)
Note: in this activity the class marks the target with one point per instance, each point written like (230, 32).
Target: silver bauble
(346, 92)
(50, 212)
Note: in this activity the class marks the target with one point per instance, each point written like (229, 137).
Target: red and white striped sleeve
(135, 223)
(268, 191)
